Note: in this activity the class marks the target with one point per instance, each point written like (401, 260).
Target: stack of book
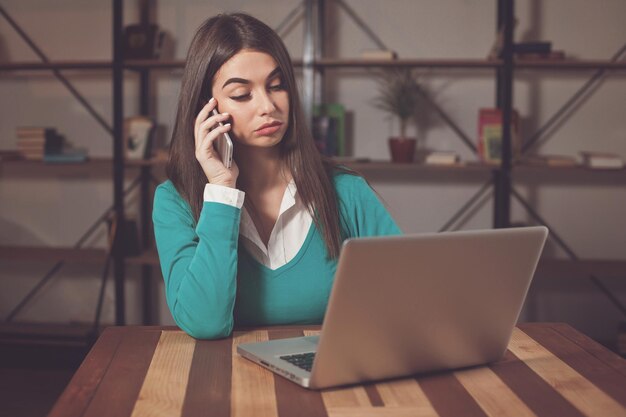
(536, 50)
(442, 158)
(34, 143)
(379, 54)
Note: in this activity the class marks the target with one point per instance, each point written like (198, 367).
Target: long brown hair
(216, 41)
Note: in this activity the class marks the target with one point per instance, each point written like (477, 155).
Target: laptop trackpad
(280, 347)
(296, 345)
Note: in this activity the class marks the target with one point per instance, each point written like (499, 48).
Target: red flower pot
(402, 149)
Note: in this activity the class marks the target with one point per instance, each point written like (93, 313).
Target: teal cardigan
(213, 283)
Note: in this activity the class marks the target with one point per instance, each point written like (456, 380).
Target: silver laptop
(408, 304)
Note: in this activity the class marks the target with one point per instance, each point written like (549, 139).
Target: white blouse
(288, 234)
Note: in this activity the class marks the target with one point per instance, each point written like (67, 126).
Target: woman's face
(249, 86)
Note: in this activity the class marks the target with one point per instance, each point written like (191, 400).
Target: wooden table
(548, 370)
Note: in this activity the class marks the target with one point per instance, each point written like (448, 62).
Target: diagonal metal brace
(56, 72)
(57, 266)
(464, 137)
(593, 81)
(466, 206)
(594, 279)
(296, 12)
(361, 24)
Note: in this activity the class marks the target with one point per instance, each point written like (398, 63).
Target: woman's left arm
(362, 211)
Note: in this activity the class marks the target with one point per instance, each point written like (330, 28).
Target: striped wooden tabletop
(548, 370)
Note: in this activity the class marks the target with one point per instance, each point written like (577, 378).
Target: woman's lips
(269, 130)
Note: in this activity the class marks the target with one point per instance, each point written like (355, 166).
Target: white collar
(248, 228)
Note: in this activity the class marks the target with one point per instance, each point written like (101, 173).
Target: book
(32, 131)
(532, 47)
(337, 112)
(49, 144)
(601, 160)
(490, 134)
(550, 160)
(442, 158)
(552, 55)
(325, 134)
(142, 41)
(31, 142)
(66, 157)
(379, 54)
(34, 143)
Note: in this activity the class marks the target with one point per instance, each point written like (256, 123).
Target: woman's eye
(277, 87)
(241, 97)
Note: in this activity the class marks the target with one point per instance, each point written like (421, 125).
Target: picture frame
(137, 137)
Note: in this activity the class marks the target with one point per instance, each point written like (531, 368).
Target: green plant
(402, 95)
(398, 95)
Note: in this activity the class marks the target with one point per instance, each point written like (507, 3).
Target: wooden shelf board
(564, 268)
(48, 334)
(324, 62)
(380, 165)
(560, 268)
(45, 329)
(97, 166)
(570, 64)
(47, 254)
(476, 166)
(30, 165)
(579, 177)
(61, 65)
(149, 257)
(104, 166)
(154, 64)
(582, 64)
(90, 65)
(89, 255)
(575, 170)
(146, 162)
(412, 63)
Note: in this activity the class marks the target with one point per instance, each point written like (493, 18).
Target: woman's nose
(266, 104)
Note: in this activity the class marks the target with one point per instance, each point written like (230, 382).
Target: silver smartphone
(224, 145)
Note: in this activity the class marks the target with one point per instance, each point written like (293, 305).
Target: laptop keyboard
(301, 360)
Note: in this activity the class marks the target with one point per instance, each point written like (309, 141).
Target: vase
(402, 149)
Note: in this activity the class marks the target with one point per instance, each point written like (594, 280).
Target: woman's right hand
(206, 131)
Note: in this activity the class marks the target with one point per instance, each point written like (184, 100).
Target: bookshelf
(93, 167)
(48, 254)
(573, 64)
(503, 70)
(570, 65)
(509, 173)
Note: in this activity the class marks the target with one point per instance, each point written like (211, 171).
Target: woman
(256, 244)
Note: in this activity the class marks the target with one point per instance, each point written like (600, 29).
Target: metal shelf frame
(501, 181)
(314, 65)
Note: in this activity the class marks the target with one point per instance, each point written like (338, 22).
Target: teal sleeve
(199, 262)
(363, 214)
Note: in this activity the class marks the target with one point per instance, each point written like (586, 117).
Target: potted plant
(402, 96)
